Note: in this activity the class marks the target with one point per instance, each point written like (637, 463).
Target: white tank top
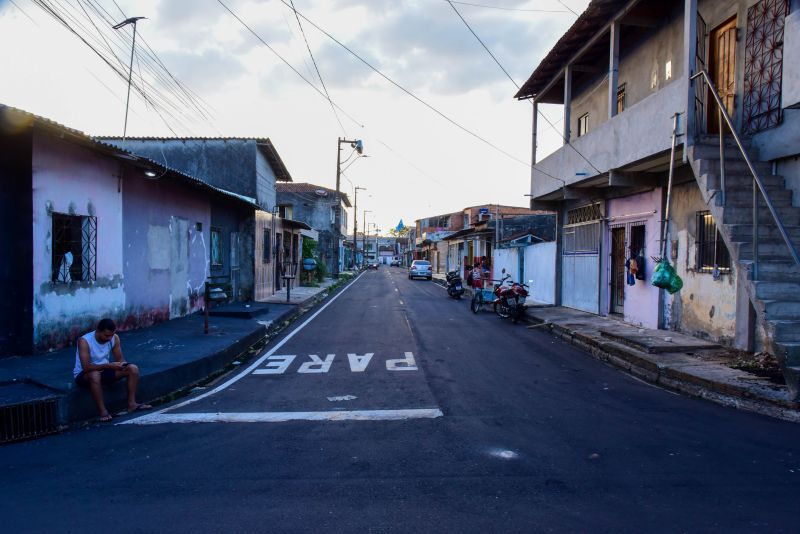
(98, 352)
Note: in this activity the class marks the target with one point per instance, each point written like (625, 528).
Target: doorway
(722, 67)
(618, 270)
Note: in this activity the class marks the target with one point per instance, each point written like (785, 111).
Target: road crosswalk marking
(280, 417)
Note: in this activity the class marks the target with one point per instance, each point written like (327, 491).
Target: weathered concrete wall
(16, 306)
(506, 262)
(166, 256)
(704, 307)
(265, 182)
(315, 211)
(643, 130)
(791, 62)
(73, 180)
(641, 299)
(540, 265)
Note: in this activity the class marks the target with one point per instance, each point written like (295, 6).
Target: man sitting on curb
(93, 367)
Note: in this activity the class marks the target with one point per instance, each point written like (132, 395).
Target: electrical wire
(407, 91)
(319, 75)
(518, 9)
(517, 86)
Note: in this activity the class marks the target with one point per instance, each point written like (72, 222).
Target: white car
(420, 269)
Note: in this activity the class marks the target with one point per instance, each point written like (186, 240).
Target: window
(266, 254)
(216, 247)
(711, 250)
(74, 248)
(621, 98)
(636, 244)
(285, 212)
(333, 214)
(583, 124)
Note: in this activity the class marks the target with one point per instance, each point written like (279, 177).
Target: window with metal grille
(266, 253)
(711, 249)
(74, 248)
(216, 247)
(621, 98)
(582, 239)
(587, 213)
(583, 124)
(636, 241)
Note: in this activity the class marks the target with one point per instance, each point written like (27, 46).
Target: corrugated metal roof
(29, 119)
(310, 188)
(263, 143)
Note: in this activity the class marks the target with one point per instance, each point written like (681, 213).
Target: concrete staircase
(775, 295)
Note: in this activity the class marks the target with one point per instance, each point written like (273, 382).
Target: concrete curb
(640, 365)
(77, 408)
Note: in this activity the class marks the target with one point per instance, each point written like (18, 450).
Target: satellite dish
(321, 193)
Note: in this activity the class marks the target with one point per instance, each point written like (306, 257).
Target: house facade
(110, 235)
(635, 79)
(317, 207)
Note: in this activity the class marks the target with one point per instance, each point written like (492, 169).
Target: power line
(526, 10)
(517, 86)
(565, 5)
(271, 49)
(314, 61)
(408, 92)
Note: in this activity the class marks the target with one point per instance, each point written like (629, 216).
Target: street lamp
(364, 239)
(358, 145)
(132, 20)
(355, 222)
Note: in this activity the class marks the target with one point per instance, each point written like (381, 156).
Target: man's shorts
(107, 376)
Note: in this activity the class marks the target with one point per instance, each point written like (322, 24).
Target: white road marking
(402, 364)
(259, 361)
(342, 398)
(358, 364)
(277, 365)
(280, 417)
(317, 364)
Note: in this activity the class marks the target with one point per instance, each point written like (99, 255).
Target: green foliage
(321, 271)
(402, 233)
(309, 248)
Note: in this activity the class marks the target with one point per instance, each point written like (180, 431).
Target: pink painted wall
(641, 299)
(71, 179)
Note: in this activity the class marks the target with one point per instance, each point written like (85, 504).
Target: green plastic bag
(665, 277)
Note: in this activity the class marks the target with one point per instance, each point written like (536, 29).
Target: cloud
(206, 71)
(425, 47)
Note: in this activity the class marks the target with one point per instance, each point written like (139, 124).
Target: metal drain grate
(28, 420)
(27, 411)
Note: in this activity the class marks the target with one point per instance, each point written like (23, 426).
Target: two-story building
(317, 207)
(643, 84)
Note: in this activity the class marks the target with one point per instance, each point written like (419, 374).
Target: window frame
(719, 254)
(583, 125)
(621, 98)
(83, 249)
(218, 231)
(266, 254)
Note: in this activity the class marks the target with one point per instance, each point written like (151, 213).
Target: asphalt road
(395, 409)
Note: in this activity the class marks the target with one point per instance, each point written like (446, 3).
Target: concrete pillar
(533, 134)
(690, 53)
(567, 101)
(613, 69)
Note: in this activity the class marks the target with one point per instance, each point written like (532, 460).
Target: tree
(402, 233)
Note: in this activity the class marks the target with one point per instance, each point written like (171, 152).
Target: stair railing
(758, 185)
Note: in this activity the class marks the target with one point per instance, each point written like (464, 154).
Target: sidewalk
(172, 356)
(669, 359)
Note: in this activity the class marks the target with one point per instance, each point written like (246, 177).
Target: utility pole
(364, 237)
(132, 20)
(358, 145)
(355, 223)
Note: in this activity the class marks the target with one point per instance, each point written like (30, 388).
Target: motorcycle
(455, 288)
(510, 299)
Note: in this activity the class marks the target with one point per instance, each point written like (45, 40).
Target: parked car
(372, 264)
(395, 263)
(420, 269)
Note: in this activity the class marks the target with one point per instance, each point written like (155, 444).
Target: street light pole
(355, 223)
(364, 238)
(358, 145)
(132, 20)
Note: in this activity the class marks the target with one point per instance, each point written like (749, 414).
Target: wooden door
(722, 67)
(617, 269)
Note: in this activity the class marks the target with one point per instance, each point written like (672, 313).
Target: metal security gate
(580, 260)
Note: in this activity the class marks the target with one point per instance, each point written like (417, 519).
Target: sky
(420, 164)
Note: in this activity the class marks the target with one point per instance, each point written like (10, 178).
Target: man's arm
(86, 361)
(117, 350)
